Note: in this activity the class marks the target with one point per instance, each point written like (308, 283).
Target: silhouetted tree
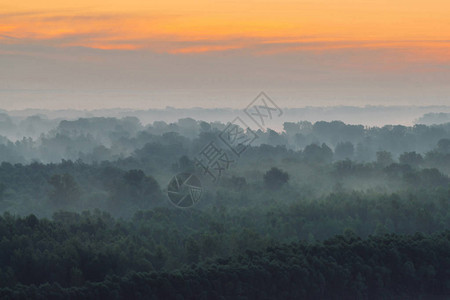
(66, 190)
(411, 158)
(2, 191)
(384, 158)
(275, 178)
(443, 146)
(318, 154)
(344, 150)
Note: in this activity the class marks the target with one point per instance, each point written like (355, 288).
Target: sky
(153, 54)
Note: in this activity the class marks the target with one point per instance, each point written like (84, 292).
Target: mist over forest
(224, 150)
(17, 124)
(86, 213)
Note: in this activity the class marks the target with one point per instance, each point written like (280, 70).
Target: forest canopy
(322, 210)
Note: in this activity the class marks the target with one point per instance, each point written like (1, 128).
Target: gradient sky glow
(143, 54)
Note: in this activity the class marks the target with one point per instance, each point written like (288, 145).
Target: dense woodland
(321, 210)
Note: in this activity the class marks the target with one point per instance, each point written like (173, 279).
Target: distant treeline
(98, 139)
(434, 118)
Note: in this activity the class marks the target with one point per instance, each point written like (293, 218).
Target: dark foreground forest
(318, 211)
(343, 267)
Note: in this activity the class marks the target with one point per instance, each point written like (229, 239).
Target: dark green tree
(275, 178)
(411, 158)
(344, 150)
(384, 158)
(65, 189)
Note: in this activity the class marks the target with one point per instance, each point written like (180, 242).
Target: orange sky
(212, 53)
(421, 27)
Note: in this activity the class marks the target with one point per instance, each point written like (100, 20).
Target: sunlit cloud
(266, 28)
(330, 36)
